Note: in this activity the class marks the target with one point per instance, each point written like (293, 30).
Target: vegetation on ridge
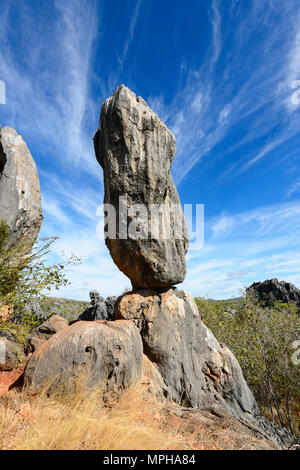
(262, 340)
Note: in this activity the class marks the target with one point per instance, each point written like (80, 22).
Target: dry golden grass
(80, 420)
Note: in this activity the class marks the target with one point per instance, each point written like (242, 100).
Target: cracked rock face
(135, 150)
(198, 371)
(20, 197)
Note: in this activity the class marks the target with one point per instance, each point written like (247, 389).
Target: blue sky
(219, 73)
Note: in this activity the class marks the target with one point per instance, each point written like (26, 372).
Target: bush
(24, 273)
(262, 341)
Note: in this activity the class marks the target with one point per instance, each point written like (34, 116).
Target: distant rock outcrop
(110, 306)
(11, 353)
(270, 290)
(20, 197)
(135, 150)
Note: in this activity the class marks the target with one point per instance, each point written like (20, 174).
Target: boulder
(8, 335)
(20, 197)
(198, 371)
(110, 306)
(270, 290)
(44, 332)
(153, 380)
(135, 150)
(11, 354)
(109, 353)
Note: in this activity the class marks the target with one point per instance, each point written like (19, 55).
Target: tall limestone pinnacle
(135, 150)
(20, 196)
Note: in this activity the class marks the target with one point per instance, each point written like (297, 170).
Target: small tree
(24, 276)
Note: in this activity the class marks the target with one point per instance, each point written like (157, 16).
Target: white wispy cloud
(48, 95)
(245, 247)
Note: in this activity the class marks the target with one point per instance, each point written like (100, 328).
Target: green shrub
(25, 274)
(262, 341)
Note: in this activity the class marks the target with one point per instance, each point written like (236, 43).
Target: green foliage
(24, 273)
(66, 308)
(261, 339)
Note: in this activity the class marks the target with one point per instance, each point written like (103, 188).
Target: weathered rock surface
(20, 198)
(44, 332)
(197, 370)
(272, 289)
(110, 353)
(135, 150)
(10, 354)
(110, 306)
(99, 309)
(95, 312)
(217, 431)
(153, 380)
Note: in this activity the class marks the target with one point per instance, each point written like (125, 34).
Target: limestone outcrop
(11, 354)
(99, 309)
(44, 332)
(157, 336)
(20, 197)
(135, 150)
(272, 289)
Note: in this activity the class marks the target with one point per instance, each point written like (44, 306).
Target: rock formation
(135, 150)
(270, 290)
(157, 335)
(110, 306)
(99, 309)
(185, 361)
(44, 332)
(199, 372)
(110, 353)
(20, 198)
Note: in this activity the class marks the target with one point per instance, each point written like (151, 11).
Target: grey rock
(20, 198)
(94, 312)
(44, 332)
(11, 354)
(34, 307)
(270, 290)
(110, 353)
(110, 306)
(153, 380)
(135, 150)
(198, 371)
